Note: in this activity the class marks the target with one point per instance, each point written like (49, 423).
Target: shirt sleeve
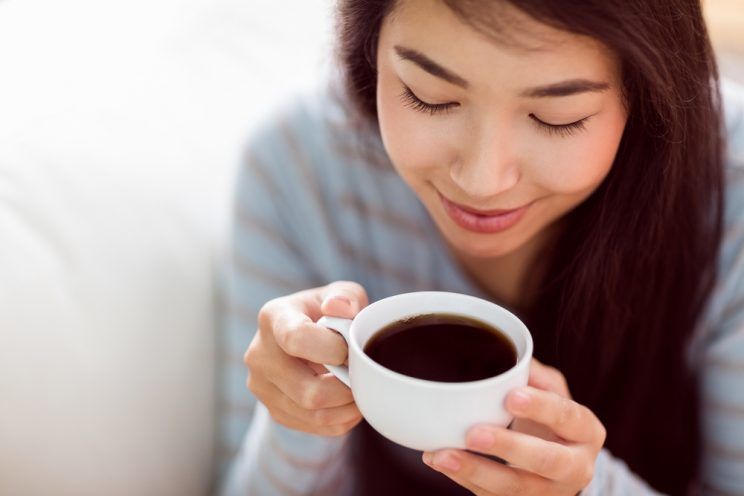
(612, 477)
(723, 411)
(722, 375)
(722, 360)
(258, 455)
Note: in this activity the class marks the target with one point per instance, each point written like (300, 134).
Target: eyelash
(412, 101)
(564, 130)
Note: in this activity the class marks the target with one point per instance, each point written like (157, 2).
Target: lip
(490, 221)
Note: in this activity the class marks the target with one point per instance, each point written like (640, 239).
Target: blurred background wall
(726, 23)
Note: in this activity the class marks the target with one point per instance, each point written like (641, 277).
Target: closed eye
(412, 101)
(563, 130)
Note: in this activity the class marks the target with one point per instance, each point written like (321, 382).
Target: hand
(285, 355)
(550, 449)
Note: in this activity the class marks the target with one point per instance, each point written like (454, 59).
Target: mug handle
(343, 327)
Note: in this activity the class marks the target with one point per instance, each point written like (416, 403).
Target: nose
(490, 167)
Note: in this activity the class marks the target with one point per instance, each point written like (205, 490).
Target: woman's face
(476, 126)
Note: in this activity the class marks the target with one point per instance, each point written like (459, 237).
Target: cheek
(416, 143)
(580, 163)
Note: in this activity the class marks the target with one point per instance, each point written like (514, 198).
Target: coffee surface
(443, 348)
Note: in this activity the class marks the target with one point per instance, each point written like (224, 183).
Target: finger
(549, 378)
(295, 377)
(449, 463)
(299, 336)
(317, 368)
(322, 417)
(309, 390)
(568, 419)
(294, 423)
(548, 459)
(527, 426)
(343, 299)
(484, 476)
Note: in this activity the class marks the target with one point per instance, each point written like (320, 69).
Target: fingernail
(519, 400)
(481, 438)
(428, 457)
(446, 461)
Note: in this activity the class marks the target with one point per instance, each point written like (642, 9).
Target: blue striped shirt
(313, 206)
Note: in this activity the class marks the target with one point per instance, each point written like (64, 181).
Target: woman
(563, 159)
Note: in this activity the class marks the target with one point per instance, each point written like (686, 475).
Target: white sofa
(120, 124)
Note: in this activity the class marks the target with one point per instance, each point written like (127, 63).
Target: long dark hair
(636, 263)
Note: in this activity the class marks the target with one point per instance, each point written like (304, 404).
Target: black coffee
(442, 347)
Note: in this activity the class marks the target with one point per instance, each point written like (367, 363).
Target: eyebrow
(566, 88)
(430, 66)
(563, 88)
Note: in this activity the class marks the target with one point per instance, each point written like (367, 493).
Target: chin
(483, 250)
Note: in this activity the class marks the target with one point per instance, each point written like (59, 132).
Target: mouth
(483, 221)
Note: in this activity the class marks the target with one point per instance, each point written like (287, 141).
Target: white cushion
(119, 129)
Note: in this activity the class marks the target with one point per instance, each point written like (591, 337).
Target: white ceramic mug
(421, 414)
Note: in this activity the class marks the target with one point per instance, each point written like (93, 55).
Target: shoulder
(732, 94)
(314, 143)
(724, 312)
(285, 130)
(733, 242)
(332, 186)
(316, 124)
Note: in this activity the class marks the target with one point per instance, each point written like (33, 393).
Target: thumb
(343, 299)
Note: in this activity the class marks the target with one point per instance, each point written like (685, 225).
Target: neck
(515, 278)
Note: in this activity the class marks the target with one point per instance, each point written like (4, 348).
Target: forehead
(516, 50)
